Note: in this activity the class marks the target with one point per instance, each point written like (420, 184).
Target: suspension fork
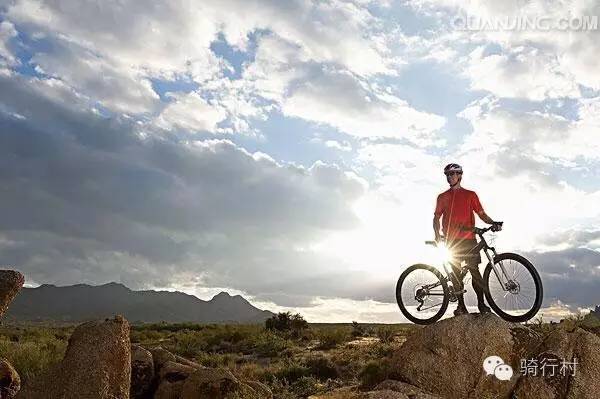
(485, 248)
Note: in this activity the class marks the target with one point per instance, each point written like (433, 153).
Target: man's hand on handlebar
(496, 226)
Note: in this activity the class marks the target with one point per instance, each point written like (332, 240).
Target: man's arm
(484, 216)
(436, 227)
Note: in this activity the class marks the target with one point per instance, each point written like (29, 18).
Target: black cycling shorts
(465, 250)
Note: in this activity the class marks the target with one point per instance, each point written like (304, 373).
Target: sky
(292, 151)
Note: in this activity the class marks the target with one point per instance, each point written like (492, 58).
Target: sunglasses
(453, 173)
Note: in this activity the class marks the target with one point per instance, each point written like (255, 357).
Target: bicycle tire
(401, 304)
(539, 290)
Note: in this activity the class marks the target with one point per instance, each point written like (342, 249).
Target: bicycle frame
(483, 246)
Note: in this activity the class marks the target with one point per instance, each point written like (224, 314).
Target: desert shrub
(291, 371)
(188, 344)
(374, 372)
(215, 360)
(250, 371)
(304, 386)
(33, 357)
(331, 337)
(286, 322)
(590, 321)
(385, 334)
(171, 327)
(268, 344)
(281, 389)
(358, 330)
(321, 367)
(146, 336)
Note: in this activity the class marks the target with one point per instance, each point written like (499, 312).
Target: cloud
(563, 57)
(571, 275)
(521, 72)
(92, 200)
(7, 32)
(116, 88)
(343, 101)
(190, 112)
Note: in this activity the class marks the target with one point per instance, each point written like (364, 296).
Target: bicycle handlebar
(476, 230)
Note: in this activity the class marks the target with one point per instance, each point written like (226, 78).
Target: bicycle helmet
(452, 167)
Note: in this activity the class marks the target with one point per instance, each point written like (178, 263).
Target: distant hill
(85, 302)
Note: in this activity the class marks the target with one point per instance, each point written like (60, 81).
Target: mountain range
(82, 302)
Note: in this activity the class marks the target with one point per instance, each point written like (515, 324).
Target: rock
(183, 360)
(340, 393)
(169, 390)
(11, 283)
(446, 358)
(261, 389)
(384, 394)
(215, 384)
(565, 344)
(172, 371)
(411, 391)
(142, 372)
(10, 382)
(352, 393)
(171, 378)
(97, 365)
(160, 357)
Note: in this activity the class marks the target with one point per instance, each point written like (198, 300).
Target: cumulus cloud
(521, 72)
(7, 32)
(189, 111)
(345, 102)
(93, 200)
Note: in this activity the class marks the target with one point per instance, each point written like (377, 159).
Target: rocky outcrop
(409, 390)
(447, 357)
(575, 346)
(11, 283)
(10, 382)
(214, 383)
(97, 364)
(142, 372)
(179, 378)
(389, 389)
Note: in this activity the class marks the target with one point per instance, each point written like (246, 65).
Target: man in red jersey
(456, 206)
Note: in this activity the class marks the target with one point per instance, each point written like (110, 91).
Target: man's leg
(478, 287)
(458, 288)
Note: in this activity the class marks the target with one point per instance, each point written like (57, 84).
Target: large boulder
(171, 378)
(446, 358)
(388, 389)
(11, 283)
(549, 381)
(261, 389)
(160, 357)
(10, 382)
(409, 390)
(142, 372)
(97, 365)
(353, 393)
(217, 383)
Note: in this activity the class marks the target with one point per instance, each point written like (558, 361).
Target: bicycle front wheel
(422, 294)
(517, 295)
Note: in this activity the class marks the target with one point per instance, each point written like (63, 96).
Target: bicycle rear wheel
(519, 296)
(422, 294)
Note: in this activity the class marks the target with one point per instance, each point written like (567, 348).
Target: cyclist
(457, 205)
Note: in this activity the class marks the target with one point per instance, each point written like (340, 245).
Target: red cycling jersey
(457, 207)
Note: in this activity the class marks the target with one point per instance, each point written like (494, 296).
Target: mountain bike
(512, 286)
